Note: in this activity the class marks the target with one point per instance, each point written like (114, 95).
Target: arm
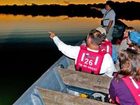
(98, 9)
(68, 50)
(109, 25)
(112, 92)
(111, 15)
(107, 66)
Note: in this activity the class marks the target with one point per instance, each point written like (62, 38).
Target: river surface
(26, 51)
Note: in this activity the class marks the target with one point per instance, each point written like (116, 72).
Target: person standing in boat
(106, 46)
(125, 86)
(88, 58)
(108, 20)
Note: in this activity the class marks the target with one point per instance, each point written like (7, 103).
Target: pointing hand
(52, 34)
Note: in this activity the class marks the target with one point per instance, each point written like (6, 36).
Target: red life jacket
(106, 46)
(89, 61)
(134, 88)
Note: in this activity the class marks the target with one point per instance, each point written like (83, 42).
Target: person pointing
(88, 58)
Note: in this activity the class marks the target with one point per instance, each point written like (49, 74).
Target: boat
(61, 84)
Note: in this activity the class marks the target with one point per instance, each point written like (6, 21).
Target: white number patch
(88, 61)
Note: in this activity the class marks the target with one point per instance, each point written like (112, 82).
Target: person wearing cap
(88, 57)
(108, 20)
(106, 45)
(125, 86)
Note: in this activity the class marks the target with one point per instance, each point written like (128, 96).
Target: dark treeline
(127, 10)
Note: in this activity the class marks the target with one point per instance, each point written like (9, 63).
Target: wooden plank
(57, 98)
(85, 80)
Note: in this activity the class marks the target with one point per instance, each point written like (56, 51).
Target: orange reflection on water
(20, 23)
(133, 23)
(59, 23)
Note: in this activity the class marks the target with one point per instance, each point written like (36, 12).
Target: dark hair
(110, 3)
(96, 36)
(133, 60)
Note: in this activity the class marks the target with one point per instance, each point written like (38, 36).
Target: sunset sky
(63, 2)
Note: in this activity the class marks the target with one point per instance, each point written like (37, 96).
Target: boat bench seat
(51, 97)
(85, 80)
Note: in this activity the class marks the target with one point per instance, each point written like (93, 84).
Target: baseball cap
(102, 30)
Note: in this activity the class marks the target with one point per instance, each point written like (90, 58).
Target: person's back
(125, 86)
(92, 45)
(89, 61)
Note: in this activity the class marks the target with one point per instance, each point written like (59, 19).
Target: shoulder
(117, 81)
(108, 61)
(112, 11)
(83, 47)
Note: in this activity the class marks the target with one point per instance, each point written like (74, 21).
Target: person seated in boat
(106, 45)
(126, 43)
(125, 86)
(88, 58)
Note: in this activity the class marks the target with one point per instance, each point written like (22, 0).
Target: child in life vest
(125, 86)
(88, 57)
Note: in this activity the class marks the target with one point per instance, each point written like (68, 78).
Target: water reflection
(11, 24)
(26, 50)
(133, 23)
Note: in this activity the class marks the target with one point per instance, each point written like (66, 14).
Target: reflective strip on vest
(134, 88)
(89, 61)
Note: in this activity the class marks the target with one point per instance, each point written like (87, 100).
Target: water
(23, 62)
(26, 51)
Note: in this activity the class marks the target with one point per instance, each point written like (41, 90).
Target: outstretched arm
(98, 9)
(68, 50)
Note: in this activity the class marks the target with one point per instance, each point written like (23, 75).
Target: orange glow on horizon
(61, 2)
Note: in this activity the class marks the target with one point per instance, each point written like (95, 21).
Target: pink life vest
(89, 61)
(134, 88)
(106, 46)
